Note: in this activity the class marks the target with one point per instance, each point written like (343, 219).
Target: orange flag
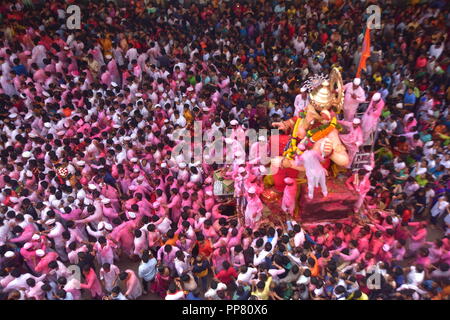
(365, 53)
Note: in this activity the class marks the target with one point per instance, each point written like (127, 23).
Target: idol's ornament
(316, 130)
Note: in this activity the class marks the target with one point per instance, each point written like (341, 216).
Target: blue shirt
(109, 179)
(147, 270)
(191, 296)
(20, 70)
(409, 98)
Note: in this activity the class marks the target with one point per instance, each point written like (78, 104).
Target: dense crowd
(90, 118)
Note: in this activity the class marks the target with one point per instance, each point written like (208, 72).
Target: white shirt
(439, 208)
(181, 266)
(245, 277)
(415, 278)
(175, 296)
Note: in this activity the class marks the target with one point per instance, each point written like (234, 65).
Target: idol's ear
(337, 89)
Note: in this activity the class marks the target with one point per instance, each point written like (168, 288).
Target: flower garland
(312, 136)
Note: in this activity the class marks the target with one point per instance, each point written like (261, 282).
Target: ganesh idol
(314, 141)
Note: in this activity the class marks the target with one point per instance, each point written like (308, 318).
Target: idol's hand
(327, 148)
(279, 125)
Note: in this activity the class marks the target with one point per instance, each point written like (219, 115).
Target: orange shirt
(172, 241)
(205, 249)
(444, 294)
(315, 269)
(67, 112)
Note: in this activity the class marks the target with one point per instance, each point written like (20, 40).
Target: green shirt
(421, 181)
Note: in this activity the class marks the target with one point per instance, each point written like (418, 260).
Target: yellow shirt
(264, 294)
(363, 297)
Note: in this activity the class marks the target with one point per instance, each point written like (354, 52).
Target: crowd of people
(95, 205)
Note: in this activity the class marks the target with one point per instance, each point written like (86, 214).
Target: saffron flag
(365, 53)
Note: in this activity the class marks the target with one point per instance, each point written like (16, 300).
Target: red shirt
(226, 276)
(406, 216)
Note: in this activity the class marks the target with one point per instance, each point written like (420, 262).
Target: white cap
(400, 166)
(101, 225)
(138, 94)
(26, 154)
(302, 89)
(106, 201)
(9, 254)
(136, 170)
(262, 169)
(209, 193)
(399, 105)
(48, 125)
(14, 199)
(134, 160)
(429, 144)
(376, 96)
(163, 165)
(45, 93)
(114, 84)
(156, 205)
(262, 138)
(386, 247)
(40, 253)
(140, 178)
(29, 174)
(108, 226)
(127, 138)
(27, 245)
(421, 171)
(50, 222)
(251, 190)
(234, 122)
(13, 115)
(356, 121)
(32, 135)
(132, 215)
(357, 81)
(66, 48)
(92, 186)
(182, 165)
(81, 163)
(35, 237)
(108, 56)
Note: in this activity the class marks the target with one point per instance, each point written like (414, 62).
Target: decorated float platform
(337, 206)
